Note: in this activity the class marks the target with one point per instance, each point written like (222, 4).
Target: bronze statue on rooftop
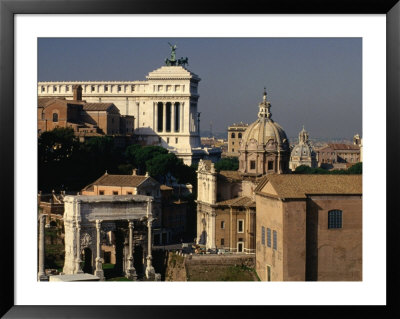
(172, 61)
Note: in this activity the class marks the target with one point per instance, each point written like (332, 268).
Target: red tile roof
(299, 186)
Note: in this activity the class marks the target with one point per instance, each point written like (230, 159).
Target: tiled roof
(97, 106)
(299, 186)
(242, 201)
(337, 146)
(165, 188)
(119, 180)
(46, 101)
(340, 147)
(234, 175)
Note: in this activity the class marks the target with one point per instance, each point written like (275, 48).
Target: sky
(315, 82)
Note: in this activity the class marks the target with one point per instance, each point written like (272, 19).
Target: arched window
(55, 117)
(240, 135)
(233, 135)
(334, 219)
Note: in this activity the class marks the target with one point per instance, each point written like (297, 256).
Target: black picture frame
(8, 10)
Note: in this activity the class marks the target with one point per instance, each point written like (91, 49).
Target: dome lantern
(264, 106)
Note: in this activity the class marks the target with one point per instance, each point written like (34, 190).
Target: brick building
(309, 228)
(337, 155)
(86, 119)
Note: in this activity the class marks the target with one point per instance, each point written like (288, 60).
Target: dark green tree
(227, 164)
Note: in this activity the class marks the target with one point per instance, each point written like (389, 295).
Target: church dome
(265, 132)
(303, 152)
(264, 147)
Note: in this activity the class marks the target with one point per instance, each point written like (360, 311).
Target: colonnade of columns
(169, 116)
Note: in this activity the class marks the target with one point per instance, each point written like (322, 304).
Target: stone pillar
(99, 261)
(164, 117)
(42, 274)
(150, 272)
(78, 260)
(155, 116)
(172, 117)
(182, 114)
(130, 271)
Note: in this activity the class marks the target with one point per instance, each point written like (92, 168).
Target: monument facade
(165, 106)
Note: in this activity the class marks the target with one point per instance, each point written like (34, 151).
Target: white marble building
(164, 107)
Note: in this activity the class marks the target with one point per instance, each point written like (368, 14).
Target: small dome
(303, 152)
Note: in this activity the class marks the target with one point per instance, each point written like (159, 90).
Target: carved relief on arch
(86, 241)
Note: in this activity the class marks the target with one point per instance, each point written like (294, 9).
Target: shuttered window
(268, 237)
(334, 219)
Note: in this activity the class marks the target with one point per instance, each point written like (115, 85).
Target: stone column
(172, 117)
(164, 117)
(155, 116)
(130, 271)
(150, 272)
(99, 261)
(182, 121)
(78, 260)
(42, 274)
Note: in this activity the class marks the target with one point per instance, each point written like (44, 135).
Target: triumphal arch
(88, 218)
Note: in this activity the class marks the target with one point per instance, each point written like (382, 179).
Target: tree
(355, 169)
(227, 164)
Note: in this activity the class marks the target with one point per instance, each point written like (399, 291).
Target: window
(222, 241)
(240, 247)
(334, 219)
(133, 88)
(55, 117)
(222, 225)
(54, 88)
(115, 193)
(92, 89)
(233, 135)
(233, 149)
(167, 140)
(252, 164)
(275, 237)
(233, 143)
(240, 225)
(129, 193)
(268, 237)
(176, 140)
(240, 135)
(270, 165)
(262, 235)
(268, 273)
(101, 192)
(42, 88)
(119, 88)
(106, 88)
(67, 88)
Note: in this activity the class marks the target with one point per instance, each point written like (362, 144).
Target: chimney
(134, 172)
(77, 90)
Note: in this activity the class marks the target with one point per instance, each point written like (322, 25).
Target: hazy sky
(315, 82)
